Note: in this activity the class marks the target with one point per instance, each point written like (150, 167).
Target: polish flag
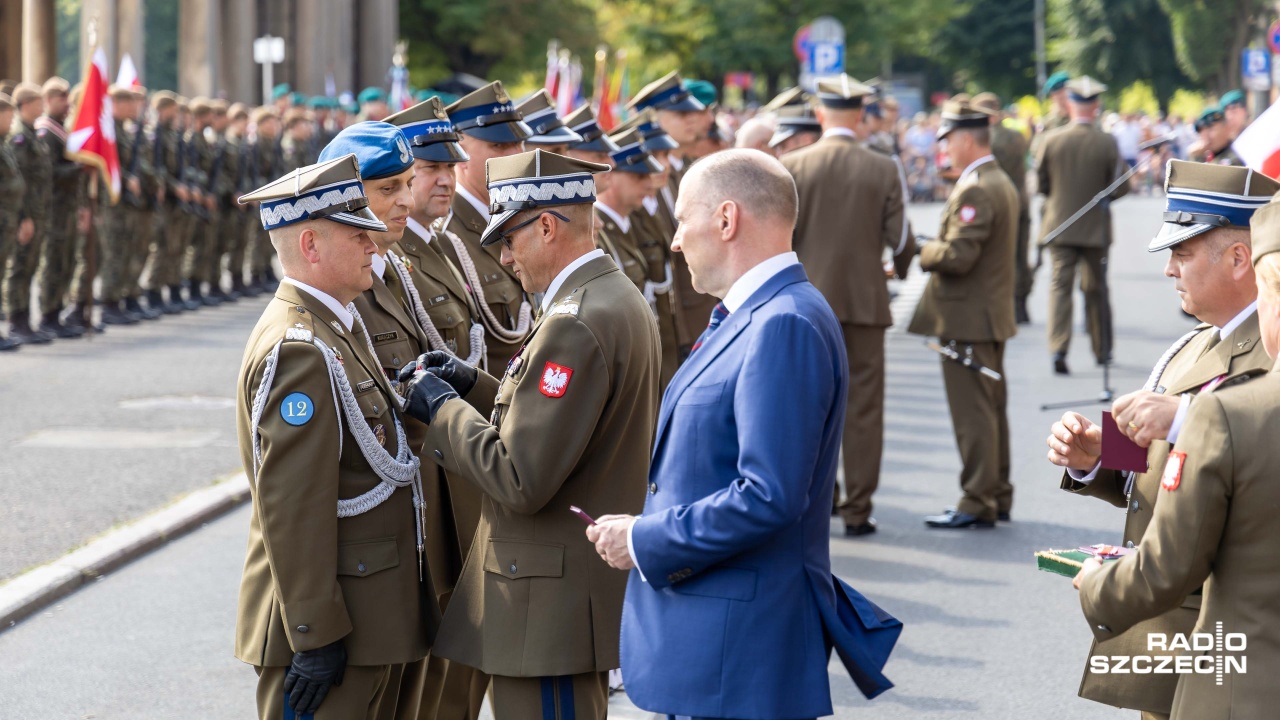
(128, 75)
(92, 140)
(1259, 145)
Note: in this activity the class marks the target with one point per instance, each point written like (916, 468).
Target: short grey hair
(758, 183)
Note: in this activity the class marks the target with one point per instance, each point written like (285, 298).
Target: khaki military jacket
(851, 209)
(624, 248)
(1010, 149)
(67, 174)
(573, 424)
(311, 578)
(970, 292)
(1225, 156)
(442, 289)
(1238, 355)
(655, 245)
(1076, 162)
(36, 167)
(502, 290)
(13, 188)
(691, 308)
(1215, 524)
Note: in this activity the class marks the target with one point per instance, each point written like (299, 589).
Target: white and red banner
(128, 75)
(1259, 145)
(92, 140)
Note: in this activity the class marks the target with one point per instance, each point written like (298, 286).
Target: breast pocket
(708, 394)
(518, 559)
(362, 559)
(394, 350)
(450, 318)
(502, 294)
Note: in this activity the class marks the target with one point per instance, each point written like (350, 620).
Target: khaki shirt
(573, 424)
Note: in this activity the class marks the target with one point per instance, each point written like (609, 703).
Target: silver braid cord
(368, 343)
(524, 319)
(1153, 381)
(420, 312)
(652, 289)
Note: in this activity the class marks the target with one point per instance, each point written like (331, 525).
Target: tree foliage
(1208, 37)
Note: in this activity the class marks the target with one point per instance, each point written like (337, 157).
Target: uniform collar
(1238, 320)
(379, 266)
(974, 166)
(421, 231)
(624, 223)
(554, 287)
(473, 201)
(335, 307)
(755, 278)
(651, 204)
(839, 131)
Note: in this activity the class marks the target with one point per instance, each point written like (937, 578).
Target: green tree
(1208, 37)
(1116, 41)
(161, 25)
(68, 31)
(992, 47)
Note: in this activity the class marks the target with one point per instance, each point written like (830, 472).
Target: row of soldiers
(175, 240)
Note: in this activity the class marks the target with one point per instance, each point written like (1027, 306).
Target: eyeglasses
(505, 236)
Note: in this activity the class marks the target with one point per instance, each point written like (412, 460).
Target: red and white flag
(128, 75)
(1259, 145)
(92, 140)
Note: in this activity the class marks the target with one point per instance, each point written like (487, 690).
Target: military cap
(583, 121)
(121, 92)
(25, 93)
(539, 111)
(988, 101)
(238, 111)
(55, 86)
(201, 106)
(666, 93)
(631, 156)
(703, 91)
(962, 114)
(7, 86)
(1232, 97)
(380, 147)
(1264, 229)
(488, 114)
(330, 190)
(6, 102)
(654, 137)
(184, 103)
(794, 119)
(1056, 82)
(430, 134)
(280, 91)
(318, 102)
(872, 109)
(163, 99)
(372, 94)
(535, 179)
(1201, 196)
(842, 92)
(1210, 116)
(293, 116)
(1085, 89)
(219, 105)
(786, 98)
(263, 113)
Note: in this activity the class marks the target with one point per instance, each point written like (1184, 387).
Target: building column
(39, 40)
(240, 77)
(379, 31)
(328, 24)
(11, 40)
(198, 39)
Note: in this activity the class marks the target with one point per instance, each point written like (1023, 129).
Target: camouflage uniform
(268, 164)
(201, 156)
(62, 237)
(12, 191)
(37, 169)
(173, 221)
(120, 225)
(237, 218)
(144, 214)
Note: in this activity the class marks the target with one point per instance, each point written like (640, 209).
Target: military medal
(380, 433)
(408, 265)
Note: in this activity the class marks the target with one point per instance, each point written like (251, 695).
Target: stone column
(240, 77)
(103, 12)
(199, 35)
(329, 46)
(379, 31)
(40, 40)
(11, 39)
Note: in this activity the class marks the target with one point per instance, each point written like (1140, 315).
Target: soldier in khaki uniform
(966, 306)
(1214, 525)
(1010, 149)
(627, 187)
(267, 163)
(59, 259)
(236, 217)
(142, 223)
(550, 133)
(445, 690)
(1074, 163)
(490, 126)
(37, 170)
(573, 424)
(851, 210)
(12, 190)
(1216, 147)
(1208, 210)
(336, 596)
(1055, 91)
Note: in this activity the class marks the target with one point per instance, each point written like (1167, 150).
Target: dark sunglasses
(506, 235)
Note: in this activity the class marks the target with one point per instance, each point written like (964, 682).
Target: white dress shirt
(482, 208)
(379, 266)
(624, 223)
(651, 204)
(334, 306)
(839, 131)
(974, 166)
(421, 231)
(741, 290)
(564, 274)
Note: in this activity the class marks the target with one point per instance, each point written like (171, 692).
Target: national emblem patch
(1172, 476)
(555, 380)
(968, 213)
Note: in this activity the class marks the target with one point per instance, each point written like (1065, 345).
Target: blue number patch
(297, 409)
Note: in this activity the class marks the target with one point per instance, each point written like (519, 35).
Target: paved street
(987, 636)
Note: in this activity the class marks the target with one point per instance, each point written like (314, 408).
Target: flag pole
(91, 235)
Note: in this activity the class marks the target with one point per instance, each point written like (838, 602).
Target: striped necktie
(718, 314)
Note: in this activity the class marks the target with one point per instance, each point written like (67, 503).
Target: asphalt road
(987, 636)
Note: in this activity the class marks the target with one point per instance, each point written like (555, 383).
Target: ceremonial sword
(949, 352)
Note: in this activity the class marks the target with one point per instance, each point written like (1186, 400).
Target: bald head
(760, 186)
(754, 135)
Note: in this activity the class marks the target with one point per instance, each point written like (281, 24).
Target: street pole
(267, 82)
(1041, 77)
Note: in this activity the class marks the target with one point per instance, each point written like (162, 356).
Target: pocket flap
(372, 402)
(516, 559)
(701, 394)
(730, 583)
(361, 559)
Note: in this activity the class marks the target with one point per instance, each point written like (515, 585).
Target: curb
(37, 588)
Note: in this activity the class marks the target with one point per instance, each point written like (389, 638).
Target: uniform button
(448, 319)
(1104, 628)
(439, 455)
(513, 568)
(1129, 544)
(360, 567)
(375, 409)
(303, 628)
(653, 488)
(1133, 506)
(395, 360)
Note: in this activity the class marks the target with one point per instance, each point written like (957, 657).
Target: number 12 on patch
(297, 409)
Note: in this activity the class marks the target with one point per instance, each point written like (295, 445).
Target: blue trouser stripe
(548, 699)
(566, 697)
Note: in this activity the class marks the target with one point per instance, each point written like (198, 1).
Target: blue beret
(372, 94)
(1056, 82)
(381, 149)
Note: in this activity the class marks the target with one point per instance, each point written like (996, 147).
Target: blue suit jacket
(740, 611)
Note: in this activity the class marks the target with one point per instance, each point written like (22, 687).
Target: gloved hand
(459, 375)
(424, 395)
(311, 674)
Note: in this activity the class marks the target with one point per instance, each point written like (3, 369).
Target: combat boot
(113, 314)
(49, 323)
(20, 330)
(132, 305)
(78, 319)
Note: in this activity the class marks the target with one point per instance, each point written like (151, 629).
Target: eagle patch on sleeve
(968, 213)
(1172, 476)
(555, 380)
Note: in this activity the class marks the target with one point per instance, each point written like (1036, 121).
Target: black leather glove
(311, 674)
(424, 394)
(459, 375)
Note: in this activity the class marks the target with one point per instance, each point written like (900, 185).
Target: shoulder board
(1203, 326)
(300, 326)
(569, 305)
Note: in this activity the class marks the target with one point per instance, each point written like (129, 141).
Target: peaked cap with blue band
(329, 190)
(793, 119)
(488, 114)
(666, 93)
(539, 111)
(631, 157)
(1084, 89)
(583, 121)
(787, 98)
(1201, 196)
(655, 138)
(843, 92)
(380, 147)
(431, 136)
(535, 179)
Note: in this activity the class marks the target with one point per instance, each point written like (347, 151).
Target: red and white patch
(1173, 471)
(555, 380)
(968, 213)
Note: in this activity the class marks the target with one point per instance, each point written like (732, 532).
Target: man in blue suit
(731, 610)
